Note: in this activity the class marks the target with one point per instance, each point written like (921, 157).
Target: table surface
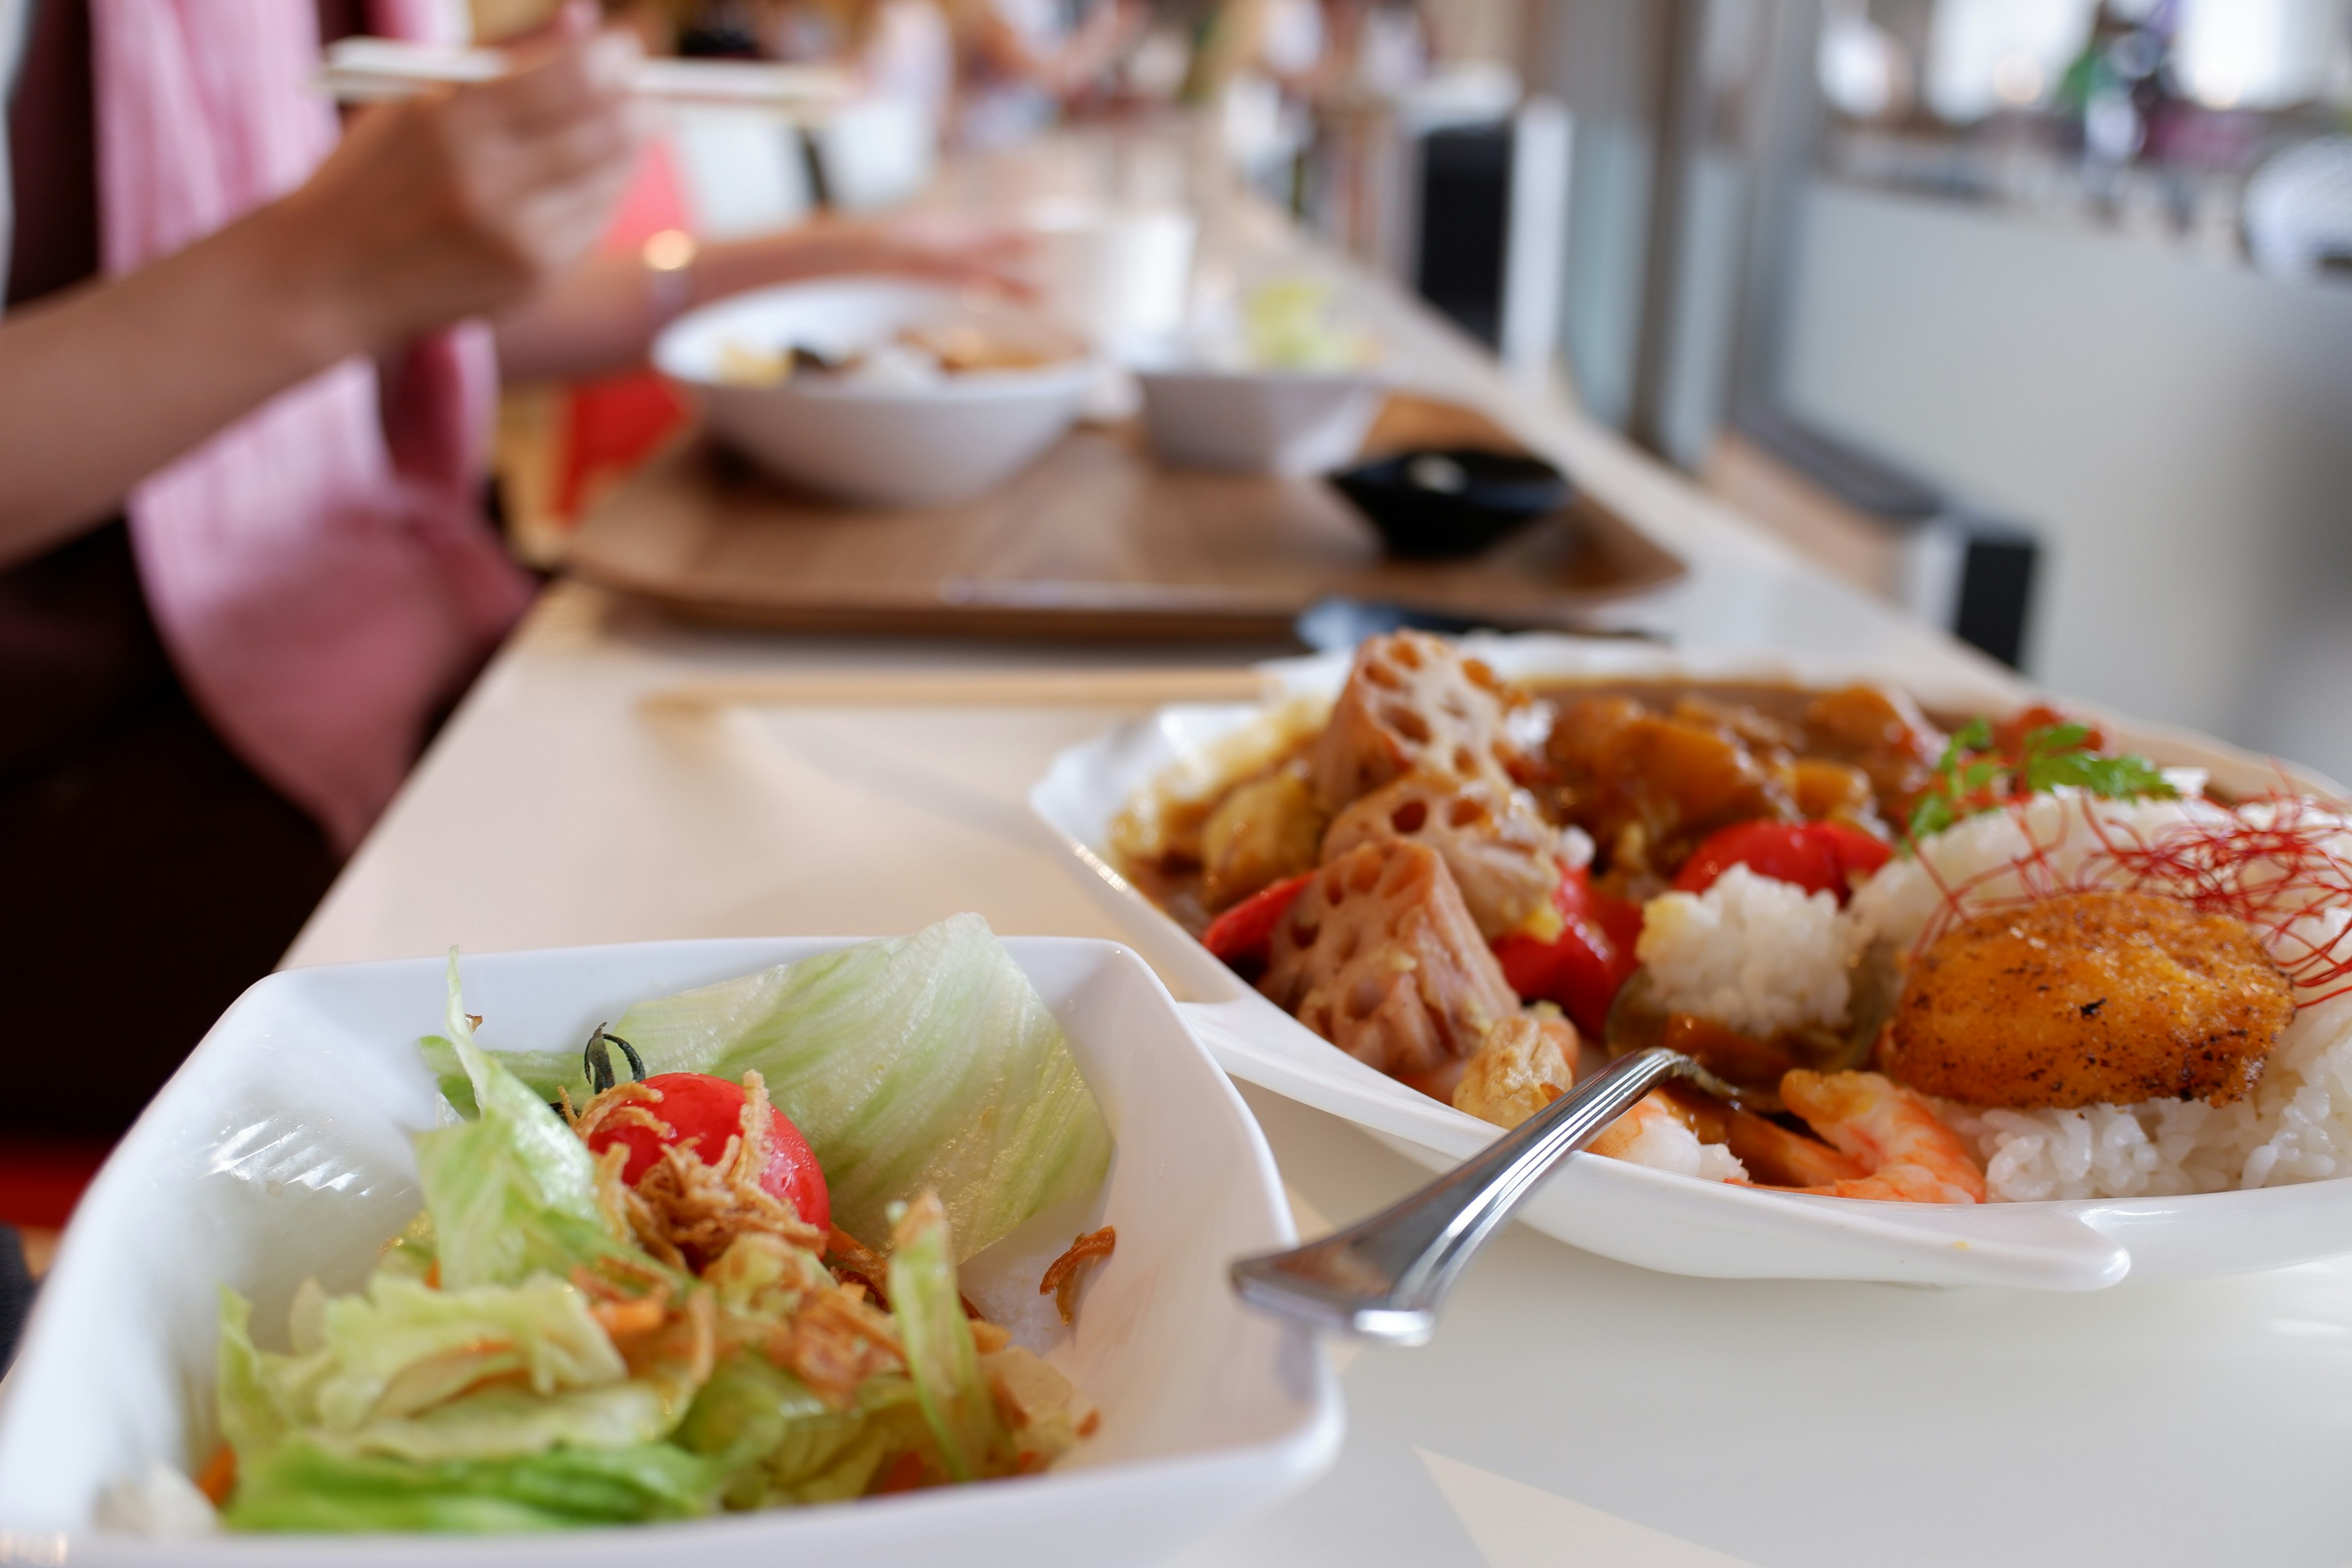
(1571, 1410)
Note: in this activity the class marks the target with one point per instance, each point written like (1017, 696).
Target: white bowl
(876, 446)
(1679, 1224)
(282, 1150)
(1261, 422)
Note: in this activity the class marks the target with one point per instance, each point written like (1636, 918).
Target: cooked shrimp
(1910, 1155)
(1651, 1113)
(1656, 1133)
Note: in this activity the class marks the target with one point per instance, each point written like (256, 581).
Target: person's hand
(466, 201)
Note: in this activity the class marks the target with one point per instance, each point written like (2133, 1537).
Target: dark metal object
(16, 1288)
(1333, 624)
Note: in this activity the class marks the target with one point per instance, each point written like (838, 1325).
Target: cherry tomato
(2008, 735)
(1582, 967)
(703, 1113)
(1243, 935)
(1819, 856)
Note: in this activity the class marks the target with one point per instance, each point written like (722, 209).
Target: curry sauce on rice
(1941, 962)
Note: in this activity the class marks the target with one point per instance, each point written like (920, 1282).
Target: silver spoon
(1385, 1278)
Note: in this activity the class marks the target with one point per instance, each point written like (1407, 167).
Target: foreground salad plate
(282, 1151)
(1655, 1218)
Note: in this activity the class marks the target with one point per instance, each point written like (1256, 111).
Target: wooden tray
(1094, 540)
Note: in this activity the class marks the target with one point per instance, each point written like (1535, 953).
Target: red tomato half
(1243, 935)
(1819, 856)
(703, 1113)
(1582, 967)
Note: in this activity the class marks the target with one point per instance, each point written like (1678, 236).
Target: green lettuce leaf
(780, 1444)
(399, 1372)
(925, 1061)
(402, 1347)
(302, 1485)
(254, 1416)
(512, 1191)
(941, 1356)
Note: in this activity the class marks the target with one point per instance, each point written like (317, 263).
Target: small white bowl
(1260, 422)
(282, 1150)
(872, 444)
(1653, 1218)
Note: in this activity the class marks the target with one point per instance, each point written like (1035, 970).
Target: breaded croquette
(2102, 997)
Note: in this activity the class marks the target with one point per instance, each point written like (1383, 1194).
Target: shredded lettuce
(302, 1485)
(408, 1372)
(778, 1443)
(474, 1385)
(253, 1417)
(402, 1347)
(512, 1191)
(941, 1356)
(926, 1061)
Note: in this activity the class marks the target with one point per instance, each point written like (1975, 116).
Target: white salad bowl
(281, 1151)
(1655, 1218)
(1261, 422)
(876, 446)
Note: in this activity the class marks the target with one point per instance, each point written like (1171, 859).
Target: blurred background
(2032, 315)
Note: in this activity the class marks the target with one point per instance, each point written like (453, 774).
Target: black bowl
(1441, 504)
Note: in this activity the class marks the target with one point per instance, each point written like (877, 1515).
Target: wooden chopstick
(368, 71)
(1143, 688)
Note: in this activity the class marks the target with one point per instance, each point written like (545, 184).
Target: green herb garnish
(1973, 775)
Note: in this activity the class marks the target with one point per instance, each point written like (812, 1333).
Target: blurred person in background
(1022, 64)
(243, 393)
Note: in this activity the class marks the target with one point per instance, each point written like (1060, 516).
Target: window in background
(2150, 117)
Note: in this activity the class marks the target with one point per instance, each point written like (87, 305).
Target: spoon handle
(1385, 1278)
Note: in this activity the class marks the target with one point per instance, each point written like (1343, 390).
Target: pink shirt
(320, 573)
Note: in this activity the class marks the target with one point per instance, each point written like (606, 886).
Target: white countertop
(1571, 1410)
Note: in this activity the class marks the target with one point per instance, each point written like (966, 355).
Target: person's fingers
(565, 79)
(600, 144)
(558, 226)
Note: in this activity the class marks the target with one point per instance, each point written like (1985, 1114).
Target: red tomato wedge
(1819, 856)
(1243, 935)
(703, 1113)
(1582, 967)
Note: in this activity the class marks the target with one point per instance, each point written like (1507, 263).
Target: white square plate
(282, 1150)
(1655, 1218)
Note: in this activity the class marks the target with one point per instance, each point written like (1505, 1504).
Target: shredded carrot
(1062, 1276)
(854, 1262)
(623, 1318)
(218, 1477)
(905, 1474)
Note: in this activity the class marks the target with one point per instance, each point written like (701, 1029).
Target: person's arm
(430, 211)
(601, 318)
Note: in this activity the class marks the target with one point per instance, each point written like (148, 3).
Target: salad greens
(1974, 776)
(941, 1355)
(512, 1191)
(518, 1360)
(924, 1061)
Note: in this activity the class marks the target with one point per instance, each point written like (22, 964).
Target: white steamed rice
(1751, 952)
